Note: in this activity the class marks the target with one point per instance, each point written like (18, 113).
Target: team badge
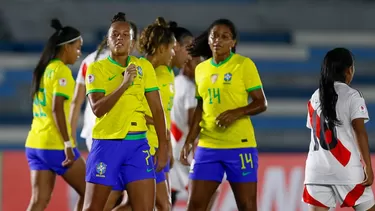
(214, 78)
(227, 77)
(101, 169)
(90, 78)
(139, 69)
(62, 82)
(362, 109)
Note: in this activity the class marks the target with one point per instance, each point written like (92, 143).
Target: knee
(249, 205)
(164, 206)
(41, 200)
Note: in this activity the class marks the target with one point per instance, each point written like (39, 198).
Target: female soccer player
(157, 42)
(336, 116)
(116, 89)
(184, 38)
(227, 142)
(50, 149)
(80, 90)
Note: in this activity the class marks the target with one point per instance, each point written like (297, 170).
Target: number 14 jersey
(222, 87)
(334, 157)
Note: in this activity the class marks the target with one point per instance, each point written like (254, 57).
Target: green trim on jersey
(222, 62)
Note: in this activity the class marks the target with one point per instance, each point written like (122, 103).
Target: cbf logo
(100, 169)
(227, 78)
(140, 72)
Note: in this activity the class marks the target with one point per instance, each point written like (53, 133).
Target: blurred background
(287, 39)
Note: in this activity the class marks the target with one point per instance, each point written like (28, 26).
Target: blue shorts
(240, 164)
(47, 159)
(119, 162)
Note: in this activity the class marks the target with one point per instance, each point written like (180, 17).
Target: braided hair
(63, 35)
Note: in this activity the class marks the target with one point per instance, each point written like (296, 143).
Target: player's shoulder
(345, 91)
(203, 65)
(58, 67)
(241, 60)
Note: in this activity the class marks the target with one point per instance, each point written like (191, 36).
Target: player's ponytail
(61, 36)
(200, 46)
(335, 64)
(101, 47)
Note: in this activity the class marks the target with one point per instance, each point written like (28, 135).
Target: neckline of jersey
(222, 62)
(116, 63)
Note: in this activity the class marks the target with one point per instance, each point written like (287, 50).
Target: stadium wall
(280, 185)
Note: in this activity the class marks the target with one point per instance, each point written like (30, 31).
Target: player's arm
(359, 116)
(190, 103)
(78, 99)
(101, 103)
(62, 87)
(254, 87)
(195, 120)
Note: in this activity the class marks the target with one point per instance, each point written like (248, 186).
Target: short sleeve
(250, 76)
(63, 84)
(94, 82)
(150, 81)
(189, 100)
(82, 73)
(357, 107)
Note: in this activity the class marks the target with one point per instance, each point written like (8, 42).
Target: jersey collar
(222, 62)
(116, 63)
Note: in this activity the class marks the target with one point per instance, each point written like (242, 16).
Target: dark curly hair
(154, 36)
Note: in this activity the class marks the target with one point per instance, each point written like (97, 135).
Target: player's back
(335, 159)
(56, 81)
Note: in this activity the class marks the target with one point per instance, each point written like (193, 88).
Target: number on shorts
(214, 93)
(246, 158)
(40, 101)
(147, 157)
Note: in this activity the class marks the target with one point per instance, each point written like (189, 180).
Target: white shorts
(357, 196)
(88, 143)
(179, 176)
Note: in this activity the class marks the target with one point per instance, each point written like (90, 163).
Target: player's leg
(174, 194)
(113, 197)
(124, 206)
(139, 176)
(103, 168)
(75, 177)
(42, 181)
(163, 199)
(206, 174)
(357, 196)
(319, 197)
(241, 167)
(42, 184)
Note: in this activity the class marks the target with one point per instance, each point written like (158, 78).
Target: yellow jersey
(223, 87)
(165, 79)
(127, 115)
(57, 80)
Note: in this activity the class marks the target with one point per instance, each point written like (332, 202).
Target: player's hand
(228, 117)
(185, 152)
(369, 176)
(69, 157)
(161, 157)
(130, 74)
